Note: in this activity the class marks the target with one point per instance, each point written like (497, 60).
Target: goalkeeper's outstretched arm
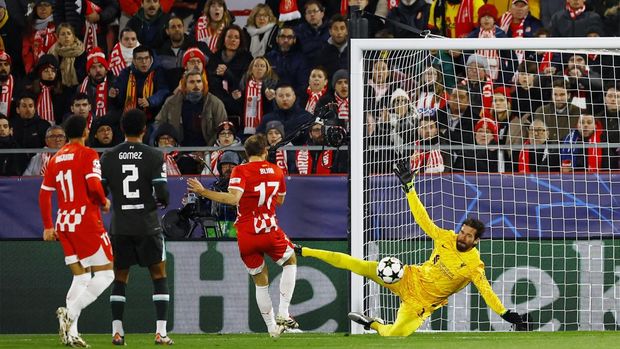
(491, 299)
(417, 208)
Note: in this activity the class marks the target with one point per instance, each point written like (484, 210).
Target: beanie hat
(3, 55)
(487, 10)
(96, 55)
(275, 124)
(168, 130)
(288, 11)
(229, 157)
(490, 125)
(480, 60)
(45, 61)
(399, 92)
(225, 125)
(3, 3)
(503, 90)
(194, 52)
(51, 2)
(339, 75)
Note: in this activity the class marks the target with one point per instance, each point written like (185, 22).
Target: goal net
(521, 134)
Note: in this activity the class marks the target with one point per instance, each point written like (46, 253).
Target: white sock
(99, 283)
(78, 285)
(117, 327)
(161, 327)
(287, 286)
(265, 307)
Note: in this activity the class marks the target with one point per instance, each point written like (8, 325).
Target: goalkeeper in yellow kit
(453, 264)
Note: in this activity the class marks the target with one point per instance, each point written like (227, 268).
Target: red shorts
(86, 248)
(253, 246)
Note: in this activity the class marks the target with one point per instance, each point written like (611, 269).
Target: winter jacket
(415, 15)
(292, 119)
(213, 113)
(291, 67)
(150, 32)
(312, 40)
(563, 26)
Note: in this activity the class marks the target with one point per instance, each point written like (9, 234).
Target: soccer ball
(390, 270)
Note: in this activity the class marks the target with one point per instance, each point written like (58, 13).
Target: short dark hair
(74, 126)
(314, 2)
(79, 96)
(127, 30)
(337, 18)
(476, 224)
(133, 122)
(559, 82)
(255, 145)
(26, 95)
(140, 49)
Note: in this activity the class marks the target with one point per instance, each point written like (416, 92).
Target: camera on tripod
(335, 135)
(179, 224)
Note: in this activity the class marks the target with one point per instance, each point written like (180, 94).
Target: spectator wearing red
(11, 36)
(90, 21)
(518, 22)
(97, 83)
(209, 26)
(121, 56)
(542, 158)
(487, 19)
(454, 18)
(256, 93)
(129, 8)
(485, 158)
(40, 34)
(10, 88)
(46, 85)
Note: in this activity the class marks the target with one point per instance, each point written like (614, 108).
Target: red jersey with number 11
(74, 173)
(260, 182)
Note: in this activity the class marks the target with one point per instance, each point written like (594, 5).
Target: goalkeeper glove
(516, 320)
(401, 170)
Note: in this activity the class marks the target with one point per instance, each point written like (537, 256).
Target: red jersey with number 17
(74, 173)
(260, 182)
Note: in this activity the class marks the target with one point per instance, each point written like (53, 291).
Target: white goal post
(360, 288)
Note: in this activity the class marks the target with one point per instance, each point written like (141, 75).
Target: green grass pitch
(461, 340)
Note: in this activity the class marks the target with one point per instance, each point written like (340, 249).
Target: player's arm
(231, 197)
(484, 288)
(281, 190)
(160, 184)
(45, 207)
(417, 208)
(93, 182)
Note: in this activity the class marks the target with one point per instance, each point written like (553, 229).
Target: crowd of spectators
(206, 81)
(493, 110)
(202, 79)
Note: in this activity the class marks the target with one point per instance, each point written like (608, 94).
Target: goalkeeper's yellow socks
(344, 261)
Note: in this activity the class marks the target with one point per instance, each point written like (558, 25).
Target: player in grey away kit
(132, 171)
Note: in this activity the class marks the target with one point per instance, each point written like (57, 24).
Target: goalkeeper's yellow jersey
(447, 270)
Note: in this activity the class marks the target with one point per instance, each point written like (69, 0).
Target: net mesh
(527, 142)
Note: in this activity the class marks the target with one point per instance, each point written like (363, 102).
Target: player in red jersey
(75, 174)
(256, 188)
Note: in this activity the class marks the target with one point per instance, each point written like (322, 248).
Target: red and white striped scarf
(486, 96)
(281, 161)
(343, 108)
(253, 114)
(117, 62)
(45, 160)
(90, 29)
(45, 106)
(491, 55)
(595, 154)
(464, 19)
(214, 159)
(313, 98)
(545, 62)
(44, 39)
(429, 161)
(6, 96)
(428, 100)
(304, 162)
(506, 23)
(206, 34)
(575, 13)
(524, 159)
(101, 96)
(172, 169)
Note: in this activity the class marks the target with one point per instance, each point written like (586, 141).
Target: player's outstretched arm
(407, 178)
(491, 299)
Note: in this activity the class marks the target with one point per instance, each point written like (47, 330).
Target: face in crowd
(285, 97)
(55, 138)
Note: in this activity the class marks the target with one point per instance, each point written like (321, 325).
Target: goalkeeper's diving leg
(339, 260)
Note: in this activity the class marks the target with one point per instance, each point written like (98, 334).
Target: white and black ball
(390, 270)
